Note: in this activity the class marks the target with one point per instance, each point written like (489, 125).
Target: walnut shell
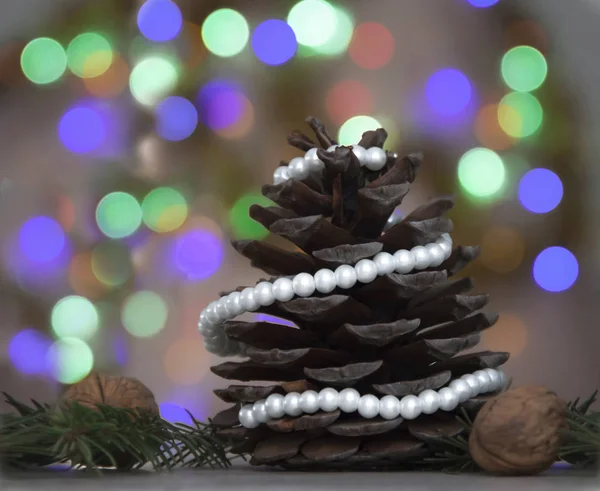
(519, 432)
(122, 392)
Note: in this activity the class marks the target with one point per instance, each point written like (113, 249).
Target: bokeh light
(144, 314)
(43, 60)
(82, 129)
(89, 55)
(340, 39)
(65, 212)
(372, 46)
(118, 215)
(159, 20)
(152, 79)
(186, 361)
(274, 42)
(273, 320)
(346, 99)
(488, 130)
(82, 278)
(198, 254)
(175, 414)
(508, 335)
(120, 348)
(502, 249)
(27, 351)
(352, 130)
(193, 50)
(483, 3)
(243, 126)
(164, 209)
(555, 269)
(74, 317)
(313, 21)
(524, 68)
(111, 263)
(448, 91)
(244, 227)
(481, 172)
(225, 32)
(70, 360)
(540, 191)
(41, 239)
(112, 82)
(176, 118)
(520, 114)
(221, 104)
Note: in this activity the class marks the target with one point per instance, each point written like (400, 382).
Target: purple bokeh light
(41, 239)
(81, 129)
(448, 92)
(220, 104)
(27, 351)
(274, 42)
(159, 20)
(540, 191)
(273, 320)
(482, 4)
(120, 348)
(175, 414)
(555, 269)
(176, 118)
(198, 254)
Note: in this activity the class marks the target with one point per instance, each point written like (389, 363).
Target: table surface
(249, 478)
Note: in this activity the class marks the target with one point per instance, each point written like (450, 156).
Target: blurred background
(134, 135)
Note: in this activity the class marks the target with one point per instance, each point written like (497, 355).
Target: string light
(540, 191)
(352, 130)
(164, 209)
(111, 263)
(89, 55)
(509, 334)
(70, 360)
(144, 314)
(43, 60)
(346, 99)
(41, 239)
(481, 172)
(273, 320)
(313, 21)
(152, 79)
(176, 118)
(482, 4)
(194, 50)
(372, 46)
(225, 32)
(221, 104)
(186, 361)
(118, 215)
(555, 269)
(242, 126)
(112, 82)
(74, 317)
(274, 42)
(340, 40)
(448, 91)
(159, 20)
(488, 130)
(242, 225)
(81, 277)
(27, 351)
(520, 114)
(82, 129)
(198, 254)
(524, 68)
(502, 250)
(175, 414)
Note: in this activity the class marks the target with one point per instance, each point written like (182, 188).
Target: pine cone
(398, 335)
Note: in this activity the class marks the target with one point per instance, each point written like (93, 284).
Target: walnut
(519, 432)
(122, 392)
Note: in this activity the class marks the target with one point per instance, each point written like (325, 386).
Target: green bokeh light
(164, 210)
(71, 360)
(314, 22)
(520, 114)
(118, 215)
(111, 263)
(43, 60)
(89, 55)
(339, 41)
(481, 172)
(352, 130)
(225, 32)
(152, 79)
(242, 225)
(144, 314)
(524, 68)
(74, 317)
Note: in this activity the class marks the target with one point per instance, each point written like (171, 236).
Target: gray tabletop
(266, 479)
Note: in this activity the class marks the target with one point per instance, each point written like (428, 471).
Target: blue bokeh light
(540, 190)
(81, 129)
(175, 414)
(198, 254)
(41, 239)
(482, 4)
(221, 104)
(176, 118)
(27, 351)
(274, 42)
(555, 269)
(448, 92)
(159, 20)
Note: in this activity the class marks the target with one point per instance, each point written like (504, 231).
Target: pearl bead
(474, 384)
(484, 379)
(404, 261)
(248, 299)
(233, 304)
(430, 401)
(332, 148)
(446, 247)
(360, 153)
(389, 407)
(422, 259)
(368, 406)
(281, 174)
(448, 399)
(376, 159)
(298, 168)
(309, 401)
(385, 263)
(274, 406)
(345, 276)
(264, 293)
(325, 281)
(462, 389)
(436, 254)
(366, 270)
(410, 407)
(329, 399)
(246, 417)
(222, 309)
(495, 379)
(349, 400)
(283, 289)
(312, 159)
(304, 285)
(291, 404)
(260, 411)
(211, 313)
